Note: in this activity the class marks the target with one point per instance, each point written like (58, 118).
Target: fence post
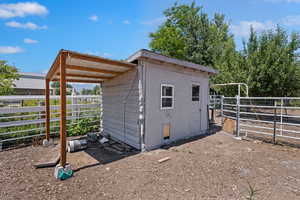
(237, 119)
(281, 113)
(275, 116)
(74, 104)
(212, 104)
(221, 107)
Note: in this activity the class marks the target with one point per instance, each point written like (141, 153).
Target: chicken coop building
(147, 100)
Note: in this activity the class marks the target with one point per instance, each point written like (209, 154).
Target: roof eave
(151, 55)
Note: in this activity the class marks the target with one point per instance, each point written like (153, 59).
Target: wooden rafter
(89, 69)
(54, 67)
(101, 60)
(80, 81)
(85, 76)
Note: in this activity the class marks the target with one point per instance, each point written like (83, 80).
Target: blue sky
(32, 32)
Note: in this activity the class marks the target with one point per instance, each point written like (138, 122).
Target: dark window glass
(167, 91)
(166, 102)
(167, 96)
(195, 93)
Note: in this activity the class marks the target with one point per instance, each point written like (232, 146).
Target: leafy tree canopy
(56, 86)
(95, 91)
(8, 74)
(189, 34)
(271, 63)
(268, 62)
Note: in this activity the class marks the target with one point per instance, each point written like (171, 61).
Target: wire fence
(270, 116)
(22, 118)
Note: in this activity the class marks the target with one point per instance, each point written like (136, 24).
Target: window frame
(161, 96)
(196, 84)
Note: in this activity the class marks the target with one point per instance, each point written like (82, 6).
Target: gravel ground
(214, 167)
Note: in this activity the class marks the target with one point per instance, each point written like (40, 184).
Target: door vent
(166, 131)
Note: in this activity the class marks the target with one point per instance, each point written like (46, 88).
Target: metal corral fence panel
(272, 116)
(22, 118)
(215, 101)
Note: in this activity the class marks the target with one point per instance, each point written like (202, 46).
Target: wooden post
(63, 102)
(47, 104)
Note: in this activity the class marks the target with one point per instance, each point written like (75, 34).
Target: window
(167, 96)
(195, 92)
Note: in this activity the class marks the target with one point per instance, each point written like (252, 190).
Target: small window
(167, 96)
(195, 93)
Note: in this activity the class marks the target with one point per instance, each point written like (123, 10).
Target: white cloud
(10, 50)
(93, 18)
(22, 9)
(243, 28)
(28, 25)
(126, 22)
(154, 22)
(30, 41)
(291, 20)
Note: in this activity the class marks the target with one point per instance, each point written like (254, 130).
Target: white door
(195, 122)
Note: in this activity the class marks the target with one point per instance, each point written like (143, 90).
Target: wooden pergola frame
(89, 69)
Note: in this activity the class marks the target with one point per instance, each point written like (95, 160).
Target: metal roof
(30, 81)
(143, 53)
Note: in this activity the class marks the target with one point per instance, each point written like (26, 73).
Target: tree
(271, 63)
(56, 85)
(85, 91)
(268, 63)
(96, 90)
(189, 34)
(8, 74)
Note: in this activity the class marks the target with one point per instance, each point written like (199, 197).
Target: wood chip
(164, 159)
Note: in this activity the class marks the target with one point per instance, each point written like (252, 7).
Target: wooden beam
(54, 66)
(80, 81)
(63, 110)
(86, 76)
(47, 104)
(100, 60)
(89, 69)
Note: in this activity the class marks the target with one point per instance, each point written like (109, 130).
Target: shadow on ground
(106, 153)
(101, 154)
(213, 129)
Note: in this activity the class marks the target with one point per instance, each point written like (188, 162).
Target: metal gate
(271, 116)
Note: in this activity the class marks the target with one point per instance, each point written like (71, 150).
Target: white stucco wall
(182, 116)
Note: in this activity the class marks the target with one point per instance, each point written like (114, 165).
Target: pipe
(76, 145)
(238, 84)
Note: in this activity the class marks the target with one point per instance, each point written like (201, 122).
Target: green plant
(8, 74)
(252, 192)
(81, 128)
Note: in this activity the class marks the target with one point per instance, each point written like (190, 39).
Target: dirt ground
(213, 167)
